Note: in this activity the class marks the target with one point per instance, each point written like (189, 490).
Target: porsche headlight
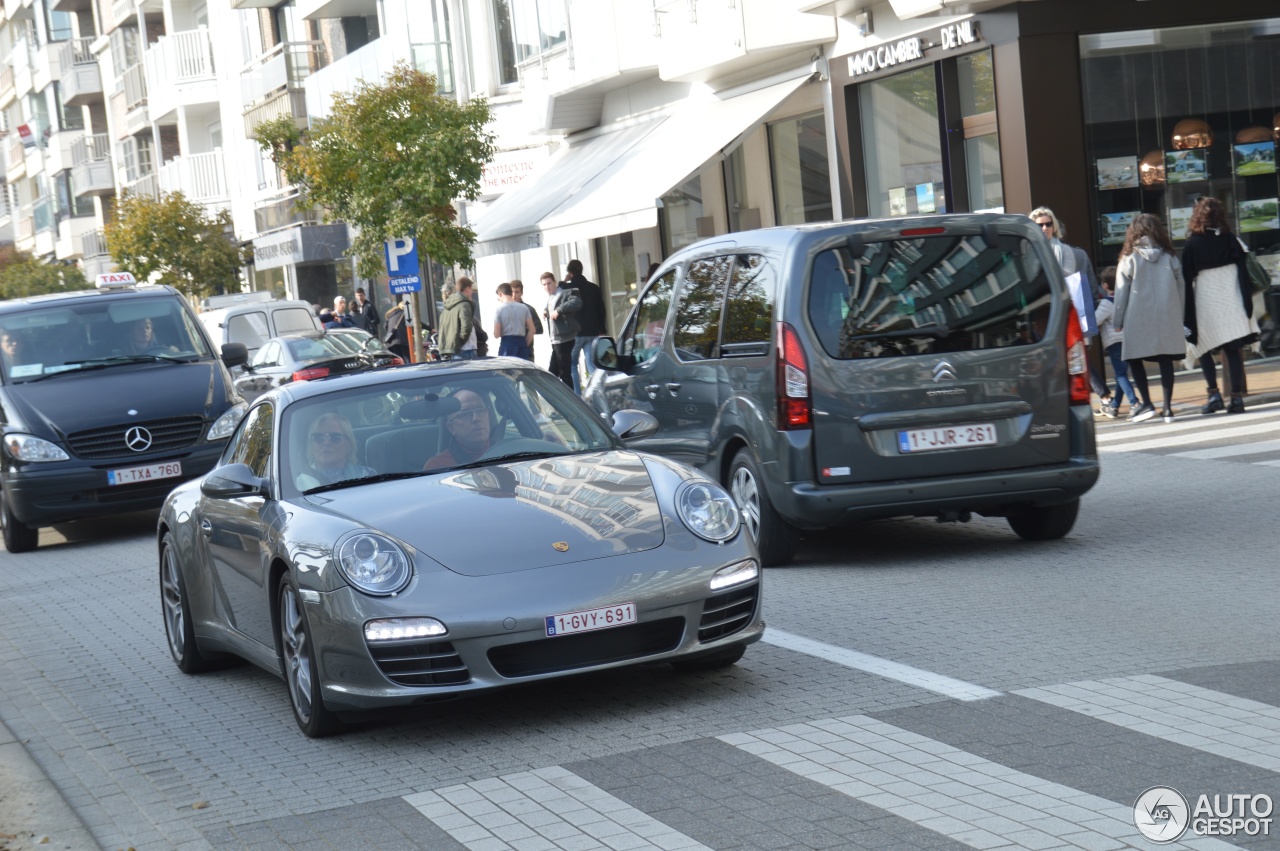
(225, 424)
(374, 564)
(26, 447)
(708, 510)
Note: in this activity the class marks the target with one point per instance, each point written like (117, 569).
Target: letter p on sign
(402, 257)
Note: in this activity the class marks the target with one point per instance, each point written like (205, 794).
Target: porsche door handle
(652, 390)
(206, 528)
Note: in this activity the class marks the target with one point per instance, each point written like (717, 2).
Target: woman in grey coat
(1149, 305)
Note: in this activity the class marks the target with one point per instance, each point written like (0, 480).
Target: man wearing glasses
(468, 429)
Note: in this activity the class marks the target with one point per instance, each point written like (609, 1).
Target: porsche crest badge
(561, 546)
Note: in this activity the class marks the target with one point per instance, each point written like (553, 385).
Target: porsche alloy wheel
(298, 661)
(176, 610)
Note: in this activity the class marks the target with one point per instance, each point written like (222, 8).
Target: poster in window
(1114, 226)
(1185, 166)
(1118, 173)
(898, 201)
(925, 202)
(1259, 215)
(1257, 158)
(1179, 221)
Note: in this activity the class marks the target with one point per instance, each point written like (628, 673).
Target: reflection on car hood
(516, 516)
(73, 402)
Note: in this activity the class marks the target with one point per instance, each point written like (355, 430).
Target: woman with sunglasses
(331, 453)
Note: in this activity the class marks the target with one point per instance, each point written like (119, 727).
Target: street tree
(171, 240)
(390, 160)
(22, 275)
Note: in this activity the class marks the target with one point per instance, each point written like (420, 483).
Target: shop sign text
(874, 59)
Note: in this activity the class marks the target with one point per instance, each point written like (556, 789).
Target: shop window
(743, 214)
(901, 144)
(1173, 115)
(801, 173)
(681, 210)
(618, 277)
(977, 95)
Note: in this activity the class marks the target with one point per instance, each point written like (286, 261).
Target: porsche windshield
(47, 341)
(434, 424)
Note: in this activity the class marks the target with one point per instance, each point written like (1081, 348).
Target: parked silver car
(928, 366)
(390, 538)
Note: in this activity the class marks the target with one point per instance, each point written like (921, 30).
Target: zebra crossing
(1252, 437)
(996, 771)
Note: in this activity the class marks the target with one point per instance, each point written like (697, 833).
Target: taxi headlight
(708, 510)
(27, 447)
(374, 564)
(225, 424)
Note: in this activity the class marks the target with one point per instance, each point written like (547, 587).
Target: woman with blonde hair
(1219, 303)
(331, 453)
(1053, 231)
(1148, 310)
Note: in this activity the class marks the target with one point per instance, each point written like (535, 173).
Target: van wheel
(774, 537)
(18, 536)
(1045, 522)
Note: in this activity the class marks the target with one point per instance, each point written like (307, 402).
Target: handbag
(1258, 274)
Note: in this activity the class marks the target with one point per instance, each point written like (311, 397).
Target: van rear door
(936, 351)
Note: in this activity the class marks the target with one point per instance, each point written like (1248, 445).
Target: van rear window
(926, 295)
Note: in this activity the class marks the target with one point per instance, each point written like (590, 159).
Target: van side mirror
(232, 481)
(604, 354)
(235, 354)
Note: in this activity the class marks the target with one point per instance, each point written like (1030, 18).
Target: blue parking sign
(402, 265)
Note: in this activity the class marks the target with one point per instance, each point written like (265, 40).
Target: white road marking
(1119, 432)
(1222, 724)
(940, 683)
(1270, 427)
(1213, 452)
(549, 807)
(944, 789)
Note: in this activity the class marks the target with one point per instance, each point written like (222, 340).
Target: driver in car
(142, 339)
(468, 429)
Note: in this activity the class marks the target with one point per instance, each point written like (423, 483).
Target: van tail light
(1077, 360)
(310, 373)
(794, 411)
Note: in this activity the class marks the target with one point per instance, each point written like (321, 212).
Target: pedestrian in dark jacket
(563, 305)
(363, 313)
(457, 322)
(590, 320)
(1219, 301)
(397, 334)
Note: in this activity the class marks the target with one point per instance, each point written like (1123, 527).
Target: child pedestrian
(1112, 340)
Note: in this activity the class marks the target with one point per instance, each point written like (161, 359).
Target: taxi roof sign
(111, 280)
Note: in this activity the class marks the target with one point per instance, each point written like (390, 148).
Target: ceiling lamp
(1151, 169)
(1192, 133)
(1251, 135)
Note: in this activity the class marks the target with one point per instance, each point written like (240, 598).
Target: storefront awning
(611, 183)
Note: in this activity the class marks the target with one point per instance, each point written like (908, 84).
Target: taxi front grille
(727, 613)
(567, 652)
(420, 663)
(111, 442)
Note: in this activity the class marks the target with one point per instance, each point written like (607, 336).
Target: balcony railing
(26, 225)
(284, 102)
(282, 212)
(42, 213)
(75, 52)
(88, 149)
(183, 56)
(135, 86)
(147, 186)
(286, 65)
(93, 244)
(200, 177)
(6, 83)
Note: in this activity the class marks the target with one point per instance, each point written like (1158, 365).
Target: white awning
(611, 183)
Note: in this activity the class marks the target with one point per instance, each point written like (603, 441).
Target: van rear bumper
(809, 506)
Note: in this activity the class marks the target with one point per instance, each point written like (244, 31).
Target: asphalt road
(923, 686)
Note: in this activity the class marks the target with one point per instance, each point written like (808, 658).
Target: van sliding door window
(697, 333)
(928, 295)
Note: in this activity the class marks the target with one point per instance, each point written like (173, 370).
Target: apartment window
(124, 48)
(539, 26)
(505, 35)
(58, 26)
(429, 42)
(68, 203)
(135, 154)
(69, 117)
(801, 174)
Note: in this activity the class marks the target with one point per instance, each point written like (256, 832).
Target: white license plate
(591, 619)
(947, 437)
(134, 475)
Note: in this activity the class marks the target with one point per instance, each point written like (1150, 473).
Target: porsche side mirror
(231, 481)
(630, 425)
(235, 354)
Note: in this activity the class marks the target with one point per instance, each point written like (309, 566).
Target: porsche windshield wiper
(499, 459)
(366, 480)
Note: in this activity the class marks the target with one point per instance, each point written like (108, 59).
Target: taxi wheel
(174, 606)
(18, 536)
(300, 666)
(716, 659)
(774, 537)
(1045, 522)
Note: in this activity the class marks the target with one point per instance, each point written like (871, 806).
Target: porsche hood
(516, 516)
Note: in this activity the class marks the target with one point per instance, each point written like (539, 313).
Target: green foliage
(390, 160)
(176, 241)
(23, 275)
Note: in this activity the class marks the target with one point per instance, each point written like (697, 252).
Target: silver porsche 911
(389, 538)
